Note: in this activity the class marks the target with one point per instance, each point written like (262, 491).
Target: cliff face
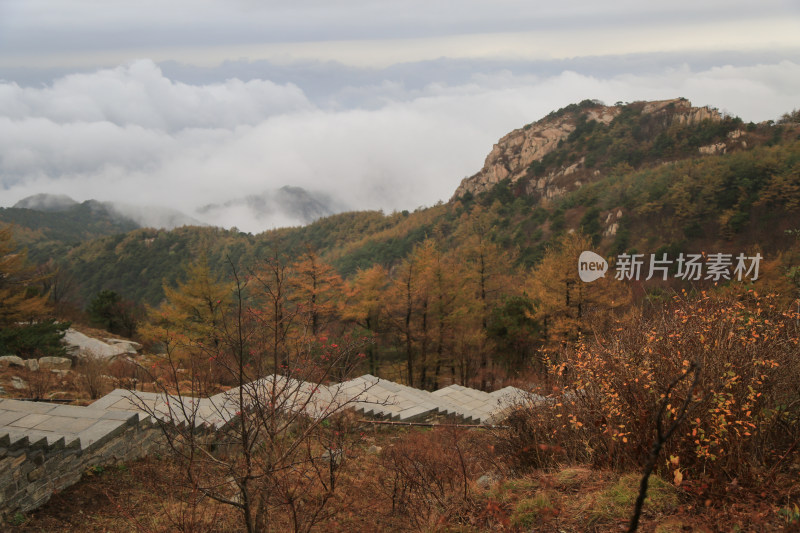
(514, 154)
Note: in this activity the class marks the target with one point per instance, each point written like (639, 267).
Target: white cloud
(139, 94)
(130, 134)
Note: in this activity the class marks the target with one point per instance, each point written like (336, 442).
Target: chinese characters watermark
(689, 267)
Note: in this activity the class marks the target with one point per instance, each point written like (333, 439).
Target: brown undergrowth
(414, 480)
(569, 462)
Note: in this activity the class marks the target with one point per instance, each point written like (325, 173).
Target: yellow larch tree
(187, 323)
(365, 304)
(318, 291)
(564, 301)
(20, 301)
(489, 274)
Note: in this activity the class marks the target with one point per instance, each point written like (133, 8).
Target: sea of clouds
(138, 135)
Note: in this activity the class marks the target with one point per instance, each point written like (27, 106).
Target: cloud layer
(135, 135)
(373, 31)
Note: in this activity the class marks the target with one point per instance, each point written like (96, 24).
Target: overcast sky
(381, 104)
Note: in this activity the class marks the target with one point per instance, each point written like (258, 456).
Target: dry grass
(42, 382)
(145, 496)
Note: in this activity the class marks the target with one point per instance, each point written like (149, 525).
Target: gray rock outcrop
(515, 152)
(11, 360)
(55, 363)
(81, 345)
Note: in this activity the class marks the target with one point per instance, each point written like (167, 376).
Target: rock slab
(11, 360)
(83, 346)
(55, 363)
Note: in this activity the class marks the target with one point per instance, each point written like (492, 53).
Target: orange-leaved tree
(365, 304)
(26, 328)
(743, 416)
(402, 302)
(273, 446)
(318, 291)
(488, 276)
(186, 324)
(19, 299)
(564, 301)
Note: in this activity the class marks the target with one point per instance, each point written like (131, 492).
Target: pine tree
(25, 326)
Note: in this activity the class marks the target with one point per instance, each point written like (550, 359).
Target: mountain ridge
(46, 202)
(643, 183)
(294, 204)
(142, 216)
(522, 154)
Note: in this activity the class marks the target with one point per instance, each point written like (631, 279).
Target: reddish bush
(744, 411)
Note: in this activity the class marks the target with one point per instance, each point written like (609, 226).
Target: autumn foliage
(743, 413)
(27, 327)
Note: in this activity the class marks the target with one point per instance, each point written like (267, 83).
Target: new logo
(591, 266)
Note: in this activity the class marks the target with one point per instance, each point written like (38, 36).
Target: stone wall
(31, 471)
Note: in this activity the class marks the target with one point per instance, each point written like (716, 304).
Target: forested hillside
(493, 272)
(485, 291)
(722, 202)
(658, 178)
(49, 234)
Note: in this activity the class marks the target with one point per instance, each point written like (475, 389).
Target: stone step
(92, 429)
(49, 424)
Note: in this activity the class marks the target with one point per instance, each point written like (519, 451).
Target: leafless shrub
(428, 476)
(40, 383)
(93, 371)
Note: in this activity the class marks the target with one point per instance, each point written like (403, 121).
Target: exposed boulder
(711, 149)
(11, 360)
(32, 364)
(55, 363)
(129, 346)
(486, 481)
(81, 345)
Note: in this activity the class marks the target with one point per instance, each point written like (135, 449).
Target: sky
(377, 104)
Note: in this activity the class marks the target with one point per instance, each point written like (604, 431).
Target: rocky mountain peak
(514, 153)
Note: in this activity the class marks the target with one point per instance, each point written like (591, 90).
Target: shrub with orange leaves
(744, 411)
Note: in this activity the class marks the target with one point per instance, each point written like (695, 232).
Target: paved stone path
(46, 447)
(37, 423)
(367, 395)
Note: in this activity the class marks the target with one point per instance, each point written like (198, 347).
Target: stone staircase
(367, 395)
(45, 424)
(392, 401)
(46, 447)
